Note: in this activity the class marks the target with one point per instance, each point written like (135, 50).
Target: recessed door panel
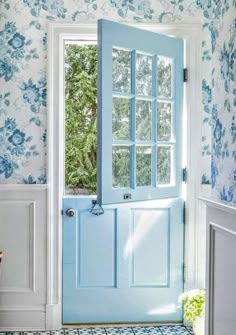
(150, 244)
(96, 250)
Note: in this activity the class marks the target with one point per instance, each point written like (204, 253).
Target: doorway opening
(74, 34)
(126, 265)
(81, 122)
(80, 118)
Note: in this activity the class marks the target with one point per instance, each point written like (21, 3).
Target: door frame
(194, 243)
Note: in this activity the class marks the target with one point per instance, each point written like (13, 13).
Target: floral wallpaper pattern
(223, 109)
(23, 95)
(17, 148)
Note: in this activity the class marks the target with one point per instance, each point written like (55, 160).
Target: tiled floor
(148, 330)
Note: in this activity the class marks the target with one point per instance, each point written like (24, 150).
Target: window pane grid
(143, 165)
(154, 120)
(165, 122)
(151, 139)
(143, 76)
(164, 163)
(133, 72)
(133, 167)
(121, 166)
(143, 120)
(121, 68)
(165, 77)
(166, 143)
(154, 165)
(165, 126)
(121, 118)
(122, 95)
(145, 97)
(161, 99)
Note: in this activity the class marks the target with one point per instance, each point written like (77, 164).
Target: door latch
(70, 212)
(127, 196)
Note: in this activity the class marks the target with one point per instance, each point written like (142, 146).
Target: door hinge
(184, 213)
(184, 273)
(185, 175)
(185, 75)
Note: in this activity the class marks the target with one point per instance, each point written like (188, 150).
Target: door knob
(70, 212)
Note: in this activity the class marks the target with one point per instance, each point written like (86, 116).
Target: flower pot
(199, 326)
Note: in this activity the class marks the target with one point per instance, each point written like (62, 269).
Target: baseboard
(21, 320)
(53, 317)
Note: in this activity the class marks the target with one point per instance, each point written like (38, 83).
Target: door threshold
(121, 324)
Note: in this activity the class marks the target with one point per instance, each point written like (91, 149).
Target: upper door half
(140, 102)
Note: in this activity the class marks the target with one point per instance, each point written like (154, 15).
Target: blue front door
(126, 265)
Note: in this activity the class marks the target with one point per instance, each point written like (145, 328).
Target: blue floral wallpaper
(219, 96)
(223, 105)
(23, 87)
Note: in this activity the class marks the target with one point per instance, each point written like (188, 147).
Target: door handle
(70, 212)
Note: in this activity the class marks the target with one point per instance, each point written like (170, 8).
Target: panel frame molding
(31, 205)
(78, 252)
(25, 309)
(220, 218)
(57, 34)
(212, 229)
(132, 285)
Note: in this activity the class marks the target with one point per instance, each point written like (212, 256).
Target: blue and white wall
(23, 91)
(219, 95)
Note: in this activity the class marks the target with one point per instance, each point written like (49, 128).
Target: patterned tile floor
(144, 330)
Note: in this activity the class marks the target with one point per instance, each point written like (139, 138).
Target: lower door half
(125, 265)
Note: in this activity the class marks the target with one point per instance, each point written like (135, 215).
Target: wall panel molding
(23, 240)
(31, 209)
(221, 268)
(213, 247)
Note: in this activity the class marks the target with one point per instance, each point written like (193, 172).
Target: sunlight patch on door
(167, 309)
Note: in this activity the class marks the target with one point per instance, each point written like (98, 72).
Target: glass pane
(163, 164)
(164, 67)
(121, 119)
(143, 120)
(121, 69)
(120, 166)
(164, 121)
(143, 74)
(80, 119)
(143, 165)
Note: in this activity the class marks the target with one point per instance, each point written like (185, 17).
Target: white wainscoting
(23, 271)
(221, 269)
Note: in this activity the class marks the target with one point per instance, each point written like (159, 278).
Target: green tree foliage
(80, 118)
